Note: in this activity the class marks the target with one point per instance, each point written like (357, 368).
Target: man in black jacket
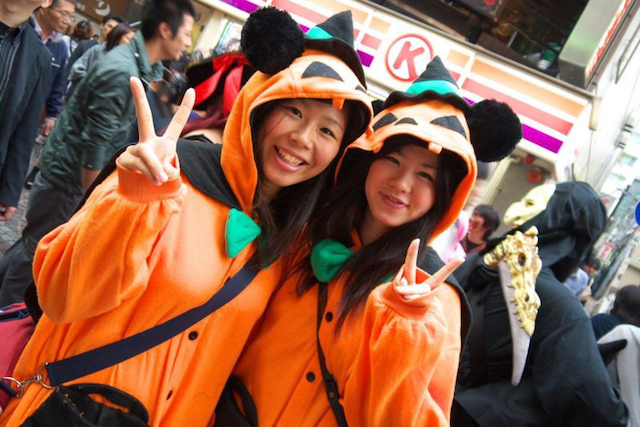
(563, 379)
(24, 70)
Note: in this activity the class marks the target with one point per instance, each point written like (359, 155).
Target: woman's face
(298, 139)
(127, 37)
(400, 187)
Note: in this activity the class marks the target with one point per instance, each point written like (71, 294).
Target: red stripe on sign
(520, 107)
(370, 41)
(301, 11)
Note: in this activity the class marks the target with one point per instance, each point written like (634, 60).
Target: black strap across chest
(330, 384)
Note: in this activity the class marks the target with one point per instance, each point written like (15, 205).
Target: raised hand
(405, 281)
(155, 156)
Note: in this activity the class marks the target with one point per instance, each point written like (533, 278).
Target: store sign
(590, 39)
(606, 38)
(394, 51)
(408, 56)
(98, 9)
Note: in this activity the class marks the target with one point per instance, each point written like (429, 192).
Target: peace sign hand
(155, 156)
(405, 281)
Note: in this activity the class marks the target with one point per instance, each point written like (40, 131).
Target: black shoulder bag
(73, 404)
(330, 384)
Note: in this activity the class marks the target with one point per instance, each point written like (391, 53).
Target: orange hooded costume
(395, 362)
(137, 255)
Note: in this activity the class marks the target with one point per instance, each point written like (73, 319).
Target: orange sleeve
(398, 378)
(98, 259)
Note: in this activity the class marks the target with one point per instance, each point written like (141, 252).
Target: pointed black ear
(495, 130)
(271, 40)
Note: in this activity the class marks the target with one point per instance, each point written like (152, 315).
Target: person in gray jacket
(91, 128)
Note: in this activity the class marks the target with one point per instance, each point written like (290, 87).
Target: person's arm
(569, 375)
(81, 65)
(106, 111)
(98, 259)
(405, 370)
(21, 143)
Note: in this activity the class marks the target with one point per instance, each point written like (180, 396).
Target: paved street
(10, 230)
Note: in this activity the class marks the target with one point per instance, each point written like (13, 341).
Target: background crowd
(66, 108)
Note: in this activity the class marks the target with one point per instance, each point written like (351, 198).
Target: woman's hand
(405, 281)
(155, 156)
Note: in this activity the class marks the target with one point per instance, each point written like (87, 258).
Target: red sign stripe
(520, 107)
(301, 11)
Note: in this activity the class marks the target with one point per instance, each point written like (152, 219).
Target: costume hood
(432, 110)
(316, 74)
(568, 227)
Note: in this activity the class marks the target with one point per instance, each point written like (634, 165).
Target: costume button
(311, 376)
(193, 335)
(170, 394)
(329, 316)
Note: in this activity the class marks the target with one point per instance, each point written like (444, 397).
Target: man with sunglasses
(51, 23)
(24, 68)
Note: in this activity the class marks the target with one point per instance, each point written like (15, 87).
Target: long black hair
(344, 211)
(283, 217)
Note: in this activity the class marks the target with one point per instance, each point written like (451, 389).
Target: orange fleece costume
(395, 361)
(137, 255)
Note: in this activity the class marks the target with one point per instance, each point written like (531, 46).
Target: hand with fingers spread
(155, 156)
(405, 281)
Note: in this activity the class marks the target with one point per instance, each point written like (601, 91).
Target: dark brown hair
(344, 211)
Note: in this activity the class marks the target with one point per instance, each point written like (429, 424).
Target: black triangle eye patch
(318, 69)
(406, 120)
(450, 122)
(384, 120)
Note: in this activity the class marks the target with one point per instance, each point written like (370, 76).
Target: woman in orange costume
(392, 348)
(159, 237)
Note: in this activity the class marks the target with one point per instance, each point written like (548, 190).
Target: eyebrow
(326, 117)
(424, 165)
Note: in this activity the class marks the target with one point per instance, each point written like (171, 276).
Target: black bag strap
(330, 384)
(111, 354)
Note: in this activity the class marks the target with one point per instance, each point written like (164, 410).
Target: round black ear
(495, 130)
(271, 40)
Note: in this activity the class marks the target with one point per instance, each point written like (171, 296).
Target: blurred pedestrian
(484, 220)
(82, 30)
(51, 23)
(120, 34)
(626, 310)
(106, 25)
(92, 127)
(24, 69)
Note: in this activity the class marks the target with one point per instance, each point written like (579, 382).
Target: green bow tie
(239, 232)
(327, 257)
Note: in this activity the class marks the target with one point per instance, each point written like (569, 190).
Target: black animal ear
(271, 40)
(495, 130)
(450, 122)
(384, 120)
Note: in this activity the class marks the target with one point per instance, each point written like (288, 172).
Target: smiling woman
(299, 138)
(387, 350)
(177, 220)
